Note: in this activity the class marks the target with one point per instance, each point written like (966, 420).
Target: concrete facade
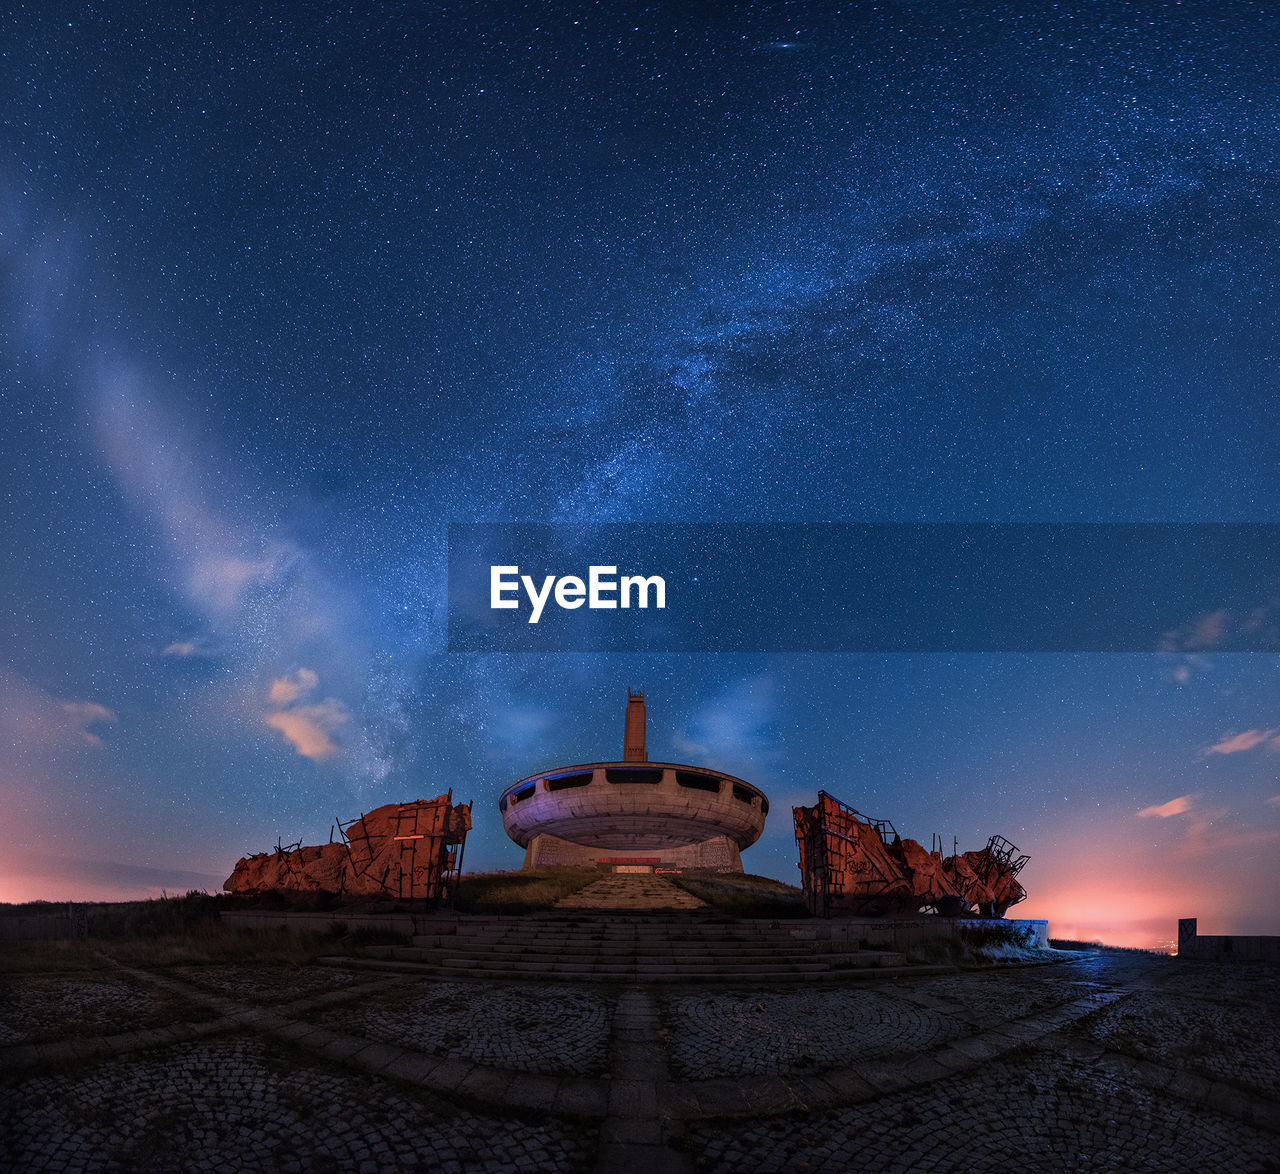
(634, 814)
(716, 854)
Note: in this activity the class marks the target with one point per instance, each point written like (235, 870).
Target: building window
(564, 782)
(698, 782)
(626, 774)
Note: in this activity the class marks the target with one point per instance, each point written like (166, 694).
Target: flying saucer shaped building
(634, 814)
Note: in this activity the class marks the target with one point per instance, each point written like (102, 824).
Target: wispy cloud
(1246, 740)
(86, 714)
(1206, 632)
(1164, 810)
(180, 648)
(309, 728)
(734, 727)
(1215, 833)
(288, 689)
(34, 721)
(264, 597)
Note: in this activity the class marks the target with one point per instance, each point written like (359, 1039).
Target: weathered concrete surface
(664, 818)
(714, 854)
(1225, 948)
(643, 813)
(1105, 1062)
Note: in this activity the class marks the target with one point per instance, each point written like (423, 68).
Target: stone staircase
(660, 947)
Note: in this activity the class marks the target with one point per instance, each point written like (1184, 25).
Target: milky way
(283, 294)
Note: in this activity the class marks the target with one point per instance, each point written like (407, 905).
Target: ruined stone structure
(854, 865)
(633, 814)
(409, 851)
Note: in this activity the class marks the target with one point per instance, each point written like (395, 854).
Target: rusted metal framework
(852, 864)
(405, 851)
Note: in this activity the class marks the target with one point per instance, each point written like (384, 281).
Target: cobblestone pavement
(1226, 1040)
(1104, 1062)
(244, 1105)
(554, 1029)
(47, 1007)
(1039, 1113)
(982, 1000)
(261, 984)
(750, 1034)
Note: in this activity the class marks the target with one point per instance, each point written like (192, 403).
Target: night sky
(286, 290)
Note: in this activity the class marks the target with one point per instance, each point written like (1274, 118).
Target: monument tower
(634, 814)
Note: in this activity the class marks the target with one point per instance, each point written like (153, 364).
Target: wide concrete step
(455, 958)
(639, 969)
(499, 934)
(721, 950)
(555, 945)
(694, 961)
(622, 975)
(700, 920)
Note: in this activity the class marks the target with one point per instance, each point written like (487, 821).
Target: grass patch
(215, 943)
(744, 895)
(26, 957)
(529, 891)
(180, 931)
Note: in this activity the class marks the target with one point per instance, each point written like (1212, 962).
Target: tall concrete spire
(633, 748)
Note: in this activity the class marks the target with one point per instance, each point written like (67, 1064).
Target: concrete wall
(633, 818)
(891, 933)
(877, 932)
(717, 854)
(1232, 948)
(317, 922)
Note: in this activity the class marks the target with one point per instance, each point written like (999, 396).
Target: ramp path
(631, 892)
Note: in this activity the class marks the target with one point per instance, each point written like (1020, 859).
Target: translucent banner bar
(833, 587)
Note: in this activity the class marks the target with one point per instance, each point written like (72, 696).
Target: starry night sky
(284, 290)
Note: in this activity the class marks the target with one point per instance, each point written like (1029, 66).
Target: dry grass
(520, 892)
(178, 931)
(215, 942)
(26, 957)
(207, 944)
(1073, 944)
(744, 895)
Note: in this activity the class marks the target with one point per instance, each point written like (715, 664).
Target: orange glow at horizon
(1126, 891)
